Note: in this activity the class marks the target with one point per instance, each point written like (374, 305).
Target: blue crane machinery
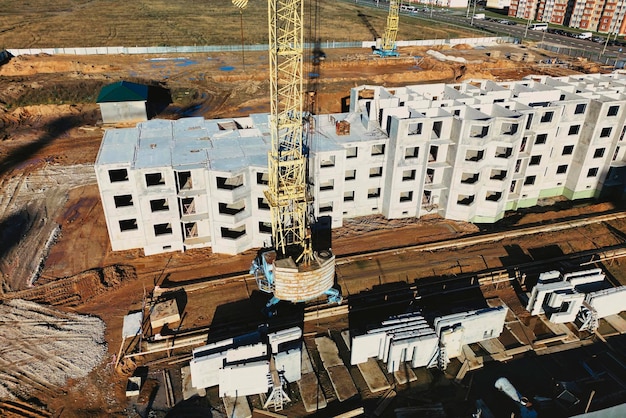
(386, 47)
(290, 270)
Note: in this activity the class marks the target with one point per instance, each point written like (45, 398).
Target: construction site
(328, 307)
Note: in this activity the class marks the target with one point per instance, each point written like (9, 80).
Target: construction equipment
(387, 46)
(290, 269)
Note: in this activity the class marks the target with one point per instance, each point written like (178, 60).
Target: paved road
(464, 19)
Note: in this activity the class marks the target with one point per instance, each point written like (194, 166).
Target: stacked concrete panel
(241, 367)
(468, 151)
(470, 327)
(405, 338)
(560, 296)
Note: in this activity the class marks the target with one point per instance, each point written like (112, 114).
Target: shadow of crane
(369, 26)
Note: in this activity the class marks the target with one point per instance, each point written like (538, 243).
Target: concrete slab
(328, 352)
(339, 375)
(616, 322)
(310, 391)
(374, 376)
(404, 375)
(237, 407)
(164, 313)
(188, 390)
(342, 382)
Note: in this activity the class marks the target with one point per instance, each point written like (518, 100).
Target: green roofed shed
(123, 102)
(123, 91)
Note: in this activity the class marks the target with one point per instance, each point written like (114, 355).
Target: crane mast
(290, 270)
(287, 194)
(387, 47)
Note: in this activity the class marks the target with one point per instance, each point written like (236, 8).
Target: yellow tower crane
(387, 46)
(290, 270)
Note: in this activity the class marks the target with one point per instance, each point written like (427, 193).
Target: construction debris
(44, 347)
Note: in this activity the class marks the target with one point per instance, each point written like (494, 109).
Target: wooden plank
(617, 322)
(310, 391)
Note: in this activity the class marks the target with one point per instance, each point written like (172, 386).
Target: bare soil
(51, 220)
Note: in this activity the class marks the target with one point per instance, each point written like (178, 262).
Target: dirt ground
(51, 220)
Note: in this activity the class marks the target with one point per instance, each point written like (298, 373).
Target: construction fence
(123, 50)
(609, 58)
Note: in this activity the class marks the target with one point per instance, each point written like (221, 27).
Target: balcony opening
(123, 200)
(118, 175)
(437, 128)
(432, 154)
(427, 197)
(188, 205)
(232, 208)
(184, 180)
(191, 230)
(522, 146)
(233, 233)
(155, 179)
(230, 183)
(430, 176)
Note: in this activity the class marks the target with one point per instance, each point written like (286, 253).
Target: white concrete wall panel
(244, 379)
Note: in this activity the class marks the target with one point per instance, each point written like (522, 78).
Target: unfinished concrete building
(468, 151)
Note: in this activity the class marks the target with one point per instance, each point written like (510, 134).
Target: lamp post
(473, 14)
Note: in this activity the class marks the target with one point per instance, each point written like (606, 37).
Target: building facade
(604, 16)
(468, 151)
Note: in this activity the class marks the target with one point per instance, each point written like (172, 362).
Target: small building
(123, 102)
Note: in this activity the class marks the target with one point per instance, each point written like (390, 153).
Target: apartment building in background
(604, 16)
(469, 151)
